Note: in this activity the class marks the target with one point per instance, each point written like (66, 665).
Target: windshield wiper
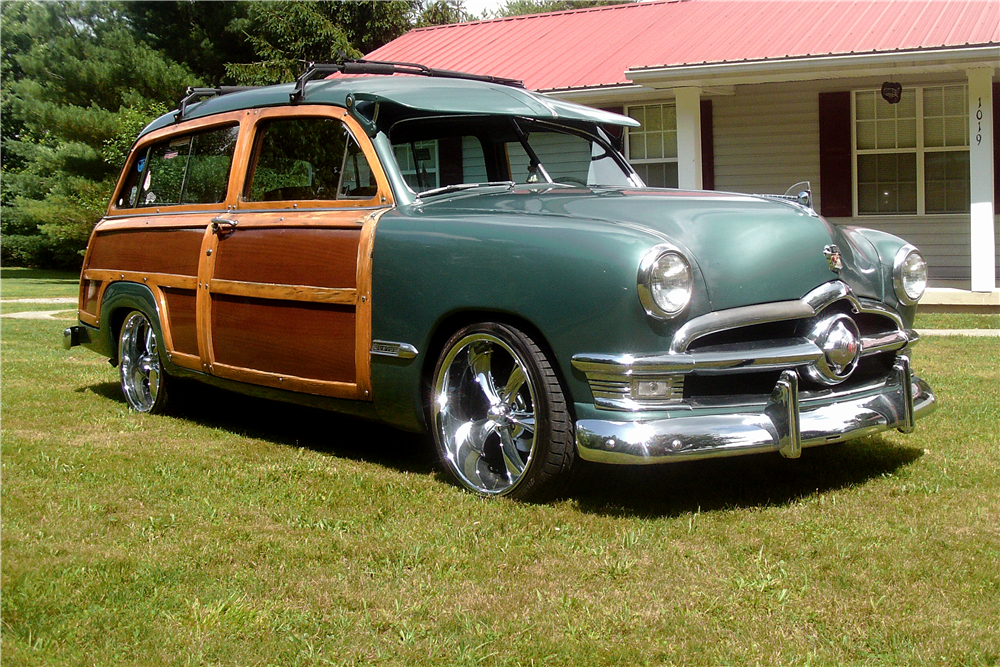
(459, 187)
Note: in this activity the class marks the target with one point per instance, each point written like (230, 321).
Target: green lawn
(957, 321)
(18, 283)
(241, 532)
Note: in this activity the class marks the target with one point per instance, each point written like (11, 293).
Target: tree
(287, 35)
(194, 34)
(443, 12)
(77, 89)
(522, 7)
(81, 78)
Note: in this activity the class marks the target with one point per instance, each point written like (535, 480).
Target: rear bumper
(71, 337)
(79, 334)
(786, 423)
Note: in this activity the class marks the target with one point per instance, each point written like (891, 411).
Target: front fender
(574, 281)
(886, 246)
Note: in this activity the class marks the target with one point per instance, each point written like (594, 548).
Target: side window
(190, 169)
(308, 159)
(357, 181)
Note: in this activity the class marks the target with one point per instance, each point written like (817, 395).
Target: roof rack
(387, 67)
(192, 95)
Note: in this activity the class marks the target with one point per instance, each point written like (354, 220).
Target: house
(889, 108)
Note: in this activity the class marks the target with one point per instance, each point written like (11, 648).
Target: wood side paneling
(290, 256)
(343, 297)
(182, 316)
(157, 251)
(287, 338)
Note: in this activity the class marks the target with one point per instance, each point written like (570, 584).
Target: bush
(19, 250)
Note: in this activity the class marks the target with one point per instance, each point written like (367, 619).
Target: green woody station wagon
(454, 254)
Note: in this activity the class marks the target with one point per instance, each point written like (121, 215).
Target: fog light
(652, 389)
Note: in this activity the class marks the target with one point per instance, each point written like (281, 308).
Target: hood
(748, 249)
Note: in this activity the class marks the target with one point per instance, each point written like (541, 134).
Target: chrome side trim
(384, 348)
(834, 418)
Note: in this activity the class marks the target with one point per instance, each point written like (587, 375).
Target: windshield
(435, 153)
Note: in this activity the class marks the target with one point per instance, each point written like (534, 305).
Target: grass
(241, 532)
(17, 283)
(957, 321)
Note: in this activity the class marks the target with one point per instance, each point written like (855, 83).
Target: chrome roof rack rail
(389, 68)
(192, 95)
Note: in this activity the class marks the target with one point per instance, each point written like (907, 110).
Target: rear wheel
(499, 416)
(143, 381)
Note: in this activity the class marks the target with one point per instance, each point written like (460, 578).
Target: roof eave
(833, 66)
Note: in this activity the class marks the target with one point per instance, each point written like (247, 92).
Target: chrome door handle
(222, 226)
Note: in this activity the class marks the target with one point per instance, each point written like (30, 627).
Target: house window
(912, 158)
(418, 163)
(652, 147)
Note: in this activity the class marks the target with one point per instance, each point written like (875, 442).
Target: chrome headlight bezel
(651, 268)
(903, 282)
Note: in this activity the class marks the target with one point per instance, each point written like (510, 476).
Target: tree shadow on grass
(673, 489)
(48, 276)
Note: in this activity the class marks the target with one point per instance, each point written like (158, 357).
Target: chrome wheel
(142, 378)
(491, 404)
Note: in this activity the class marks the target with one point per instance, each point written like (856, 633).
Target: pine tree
(77, 88)
(288, 35)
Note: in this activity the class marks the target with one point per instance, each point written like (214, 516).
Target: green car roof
(433, 95)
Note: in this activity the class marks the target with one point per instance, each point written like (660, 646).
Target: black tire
(498, 415)
(144, 383)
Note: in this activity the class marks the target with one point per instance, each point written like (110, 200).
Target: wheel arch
(121, 298)
(452, 322)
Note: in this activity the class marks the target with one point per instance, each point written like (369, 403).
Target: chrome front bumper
(786, 423)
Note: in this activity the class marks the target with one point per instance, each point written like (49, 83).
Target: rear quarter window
(185, 169)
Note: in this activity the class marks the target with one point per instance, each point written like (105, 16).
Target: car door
(286, 274)
(175, 181)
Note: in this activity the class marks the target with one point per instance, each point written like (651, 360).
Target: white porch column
(689, 138)
(981, 170)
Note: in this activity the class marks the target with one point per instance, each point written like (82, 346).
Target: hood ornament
(833, 258)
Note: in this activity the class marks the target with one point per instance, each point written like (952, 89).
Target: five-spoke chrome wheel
(498, 414)
(142, 378)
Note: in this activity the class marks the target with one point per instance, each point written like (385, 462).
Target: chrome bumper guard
(71, 337)
(786, 424)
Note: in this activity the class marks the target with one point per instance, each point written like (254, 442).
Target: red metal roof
(595, 47)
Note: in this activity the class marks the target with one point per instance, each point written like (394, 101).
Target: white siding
(767, 138)
(944, 241)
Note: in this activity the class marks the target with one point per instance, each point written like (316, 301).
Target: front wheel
(143, 381)
(499, 416)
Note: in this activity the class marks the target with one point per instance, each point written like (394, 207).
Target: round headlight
(909, 275)
(665, 281)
